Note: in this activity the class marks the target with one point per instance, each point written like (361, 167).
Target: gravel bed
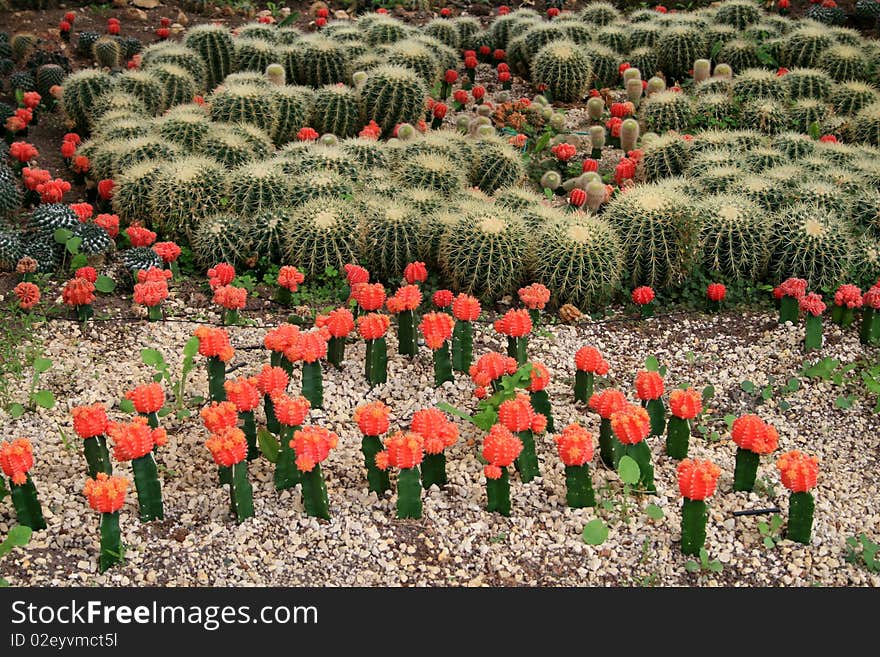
(456, 542)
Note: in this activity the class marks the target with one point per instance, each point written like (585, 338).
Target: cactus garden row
(603, 282)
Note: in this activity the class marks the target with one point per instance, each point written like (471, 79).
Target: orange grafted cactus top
(243, 392)
(490, 367)
(697, 479)
(466, 308)
(228, 446)
(631, 424)
(798, 471)
(437, 329)
(372, 418)
(219, 416)
(310, 347)
(515, 323)
(685, 404)
(281, 338)
(589, 359)
(106, 494)
(90, 421)
(134, 439)
(290, 411)
(649, 385)
(78, 292)
(518, 415)
(312, 445)
(147, 398)
(229, 297)
(369, 296)
(214, 343)
(608, 402)
(435, 428)
(534, 296)
(339, 322)
(415, 272)
(500, 449)
(16, 459)
(271, 380)
(539, 376)
(406, 298)
(752, 433)
(402, 450)
(290, 277)
(575, 445)
(373, 326)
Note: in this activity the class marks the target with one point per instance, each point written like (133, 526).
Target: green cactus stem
(442, 365)
(377, 480)
(409, 493)
(249, 426)
(272, 423)
(224, 475)
(541, 404)
(788, 310)
(84, 312)
(678, 434)
(583, 386)
(336, 352)
(313, 384)
(535, 316)
(518, 348)
(800, 517)
(406, 334)
(462, 346)
(111, 541)
(693, 526)
(154, 313)
(314, 493)
(646, 310)
(230, 317)
(152, 421)
(607, 443)
(216, 378)
(657, 413)
(27, 506)
(434, 470)
(241, 495)
(376, 369)
(498, 494)
(149, 491)
(641, 454)
(579, 487)
(97, 456)
(813, 335)
(527, 461)
(843, 316)
(746, 469)
(283, 296)
(713, 306)
(870, 330)
(286, 473)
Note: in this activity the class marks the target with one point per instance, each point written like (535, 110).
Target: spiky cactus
(296, 106)
(734, 237)
(811, 243)
(768, 116)
(678, 48)
(644, 35)
(21, 45)
(132, 186)
(614, 37)
(215, 45)
(755, 83)
(226, 147)
(739, 53)
(368, 153)
(315, 184)
(485, 251)
(497, 165)
(445, 31)
(321, 61)
(172, 52)
(186, 190)
(10, 249)
(738, 13)
(804, 47)
(140, 149)
(47, 76)
(600, 13)
(436, 172)
(659, 229)
(326, 158)
(255, 187)
(664, 157)
(831, 15)
(79, 92)
(252, 54)
(415, 56)
(794, 144)
(763, 157)
(336, 110)
(178, 84)
(710, 109)
(865, 125)
(245, 104)
(716, 179)
(807, 111)
(581, 260)
(762, 191)
(847, 98)
(84, 42)
(564, 69)
(392, 95)
(393, 235)
(107, 52)
(385, 30)
(221, 237)
(42, 248)
(95, 240)
(807, 83)
(49, 217)
(667, 110)
(321, 234)
(604, 62)
(644, 59)
(518, 199)
(184, 128)
(117, 103)
(844, 63)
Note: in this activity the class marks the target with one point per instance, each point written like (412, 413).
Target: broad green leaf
(748, 387)
(73, 245)
(191, 348)
(183, 413)
(61, 235)
(654, 512)
(768, 543)
(595, 532)
(708, 393)
(162, 412)
(715, 566)
(126, 406)
(784, 405)
(763, 528)
(16, 410)
(79, 260)
(843, 402)
(157, 377)
(628, 470)
(692, 566)
(767, 393)
(151, 356)
(20, 535)
(793, 385)
(652, 364)
(814, 130)
(44, 398)
(269, 445)
(42, 364)
(105, 284)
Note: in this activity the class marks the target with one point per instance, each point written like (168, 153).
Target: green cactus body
(497, 165)
(445, 31)
(667, 110)
(678, 48)
(216, 379)
(146, 86)
(442, 365)
(758, 83)
(583, 386)
(47, 76)
(107, 52)
(296, 107)
(409, 493)
(738, 13)
(865, 125)
(176, 54)
(740, 54)
(241, 495)
(678, 433)
(565, 70)
(257, 187)
(215, 45)
(746, 470)
(848, 98)
(844, 63)
(435, 172)
(178, 84)
(140, 258)
(518, 349)
(79, 92)
(641, 454)
(803, 47)
(336, 111)
(604, 62)
(27, 507)
(392, 95)
(253, 54)
(377, 480)
(462, 346)
(320, 61)
(245, 104)
(312, 384)
(657, 413)
(319, 235)
(433, 469)
(49, 217)
(541, 404)
(734, 236)
(287, 475)
(498, 494)
(111, 541)
(385, 30)
(314, 493)
(376, 363)
(788, 310)
(813, 332)
(800, 517)
(664, 157)
(186, 191)
(394, 235)
(527, 461)
(579, 487)
(869, 331)
(149, 491)
(249, 426)
(186, 130)
(415, 56)
(694, 514)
